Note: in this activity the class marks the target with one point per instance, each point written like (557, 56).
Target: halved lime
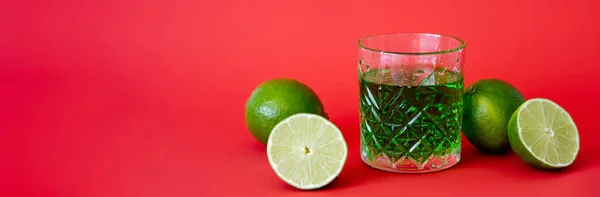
(306, 151)
(543, 134)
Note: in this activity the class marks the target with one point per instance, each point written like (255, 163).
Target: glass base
(408, 164)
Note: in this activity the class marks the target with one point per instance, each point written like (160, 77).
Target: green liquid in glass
(405, 116)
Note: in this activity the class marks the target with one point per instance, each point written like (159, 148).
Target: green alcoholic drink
(409, 121)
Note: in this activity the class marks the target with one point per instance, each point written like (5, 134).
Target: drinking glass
(411, 87)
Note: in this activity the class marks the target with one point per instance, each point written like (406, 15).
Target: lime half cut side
(306, 151)
(543, 134)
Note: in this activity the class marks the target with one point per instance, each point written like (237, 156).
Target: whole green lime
(488, 107)
(275, 100)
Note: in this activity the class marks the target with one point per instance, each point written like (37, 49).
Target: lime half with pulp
(543, 134)
(306, 151)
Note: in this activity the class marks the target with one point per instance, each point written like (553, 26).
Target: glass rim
(461, 46)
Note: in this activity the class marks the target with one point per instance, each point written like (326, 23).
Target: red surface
(145, 98)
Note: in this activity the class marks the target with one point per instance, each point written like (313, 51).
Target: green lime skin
(488, 105)
(275, 100)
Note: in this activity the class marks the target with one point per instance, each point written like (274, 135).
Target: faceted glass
(411, 87)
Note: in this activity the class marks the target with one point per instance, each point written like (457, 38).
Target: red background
(145, 98)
